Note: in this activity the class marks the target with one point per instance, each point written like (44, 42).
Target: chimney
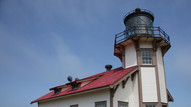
(108, 67)
(69, 78)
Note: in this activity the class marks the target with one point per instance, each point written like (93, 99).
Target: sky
(42, 42)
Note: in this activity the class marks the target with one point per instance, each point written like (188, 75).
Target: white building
(140, 82)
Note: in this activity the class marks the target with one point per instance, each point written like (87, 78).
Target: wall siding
(130, 56)
(161, 73)
(128, 94)
(149, 89)
(83, 100)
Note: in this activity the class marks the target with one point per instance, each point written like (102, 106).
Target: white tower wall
(161, 73)
(149, 87)
(130, 56)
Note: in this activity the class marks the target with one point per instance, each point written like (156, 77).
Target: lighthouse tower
(144, 46)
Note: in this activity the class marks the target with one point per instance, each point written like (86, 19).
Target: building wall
(83, 100)
(161, 73)
(146, 44)
(128, 94)
(149, 89)
(130, 56)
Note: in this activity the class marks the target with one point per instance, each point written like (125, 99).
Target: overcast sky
(44, 41)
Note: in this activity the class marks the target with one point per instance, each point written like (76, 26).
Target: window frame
(145, 104)
(141, 52)
(164, 104)
(101, 102)
(122, 102)
(75, 105)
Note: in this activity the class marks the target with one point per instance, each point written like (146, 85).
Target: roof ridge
(89, 77)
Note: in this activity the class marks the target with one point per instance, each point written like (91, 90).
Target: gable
(127, 91)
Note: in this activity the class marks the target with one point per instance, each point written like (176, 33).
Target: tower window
(146, 57)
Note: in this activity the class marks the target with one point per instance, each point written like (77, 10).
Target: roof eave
(71, 94)
(124, 77)
(170, 98)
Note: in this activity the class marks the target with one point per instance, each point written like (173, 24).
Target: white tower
(144, 46)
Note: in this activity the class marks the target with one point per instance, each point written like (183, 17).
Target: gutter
(77, 93)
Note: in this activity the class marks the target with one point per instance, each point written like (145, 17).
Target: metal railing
(141, 32)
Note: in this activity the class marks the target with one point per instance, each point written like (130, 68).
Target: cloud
(79, 13)
(29, 44)
(54, 59)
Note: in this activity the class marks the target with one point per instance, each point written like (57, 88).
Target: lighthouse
(139, 82)
(143, 45)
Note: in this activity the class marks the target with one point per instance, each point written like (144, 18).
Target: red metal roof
(99, 80)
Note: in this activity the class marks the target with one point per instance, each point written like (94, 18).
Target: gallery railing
(141, 32)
